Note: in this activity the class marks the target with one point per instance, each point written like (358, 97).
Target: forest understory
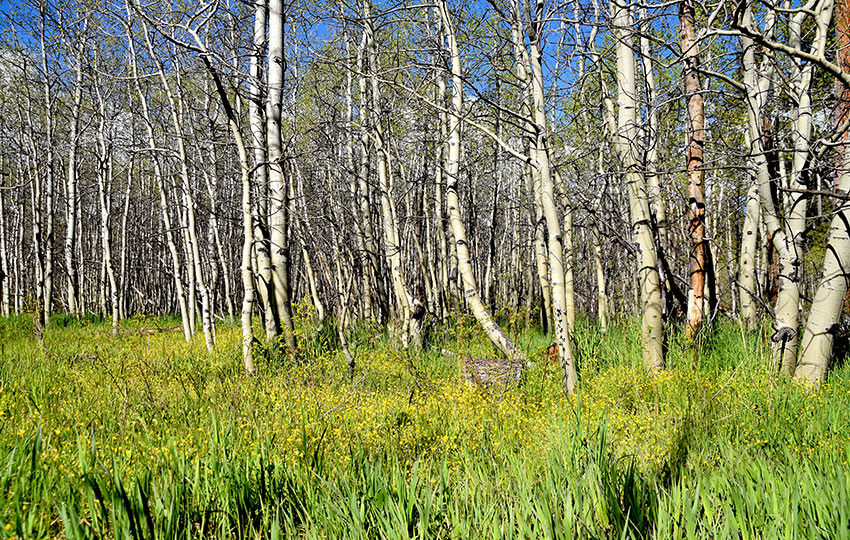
(142, 435)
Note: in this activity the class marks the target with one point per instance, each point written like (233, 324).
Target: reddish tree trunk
(698, 266)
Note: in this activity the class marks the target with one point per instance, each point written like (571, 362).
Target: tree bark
(650, 290)
(700, 256)
(452, 167)
(547, 196)
(278, 192)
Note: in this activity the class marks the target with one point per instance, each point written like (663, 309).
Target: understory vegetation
(143, 435)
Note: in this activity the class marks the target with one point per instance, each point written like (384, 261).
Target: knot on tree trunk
(783, 334)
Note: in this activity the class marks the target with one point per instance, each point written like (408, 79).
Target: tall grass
(143, 436)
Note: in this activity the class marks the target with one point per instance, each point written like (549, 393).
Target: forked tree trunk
(555, 242)
(801, 78)
(826, 311)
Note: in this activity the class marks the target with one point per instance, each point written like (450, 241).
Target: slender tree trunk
(547, 197)
(262, 240)
(279, 203)
(452, 168)
(104, 179)
(444, 254)
(5, 278)
(366, 277)
(73, 285)
(247, 209)
(390, 225)
(757, 83)
(801, 132)
(160, 181)
(650, 290)
(47, 243)
(122, 288)
(569, 253)
(747, 266)
(700, 256)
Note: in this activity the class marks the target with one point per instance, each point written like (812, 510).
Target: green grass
(145, 436)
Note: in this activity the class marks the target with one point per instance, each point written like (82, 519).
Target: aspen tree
(801, 132)
(104, 178)
(363, 226)
(278, 191)
(5, 278)
(201, 47)
(196, 278)
(532, 174)
(747, 260)
(452, 169)
(828, 303)
(547, 196)
(757, 83)
(159, 179)
(364, 186)
(700, 256)
(46, 243)
(627, 150)
(125, 213)
(72, 202)
(384, 172)
(256, 106)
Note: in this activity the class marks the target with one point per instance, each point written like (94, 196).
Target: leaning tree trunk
(826, 310)
(555, 243)
(801, 79)
(452, 167)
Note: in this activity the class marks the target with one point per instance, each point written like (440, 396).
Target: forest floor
(143, 435)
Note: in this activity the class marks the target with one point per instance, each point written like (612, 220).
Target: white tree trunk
(627, 148)
(278, 199)
(452, 168)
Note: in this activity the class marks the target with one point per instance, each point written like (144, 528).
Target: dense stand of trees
(393, 163)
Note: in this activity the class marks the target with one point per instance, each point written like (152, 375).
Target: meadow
(142, 435)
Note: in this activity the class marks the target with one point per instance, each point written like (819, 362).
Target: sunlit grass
(144, 435)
